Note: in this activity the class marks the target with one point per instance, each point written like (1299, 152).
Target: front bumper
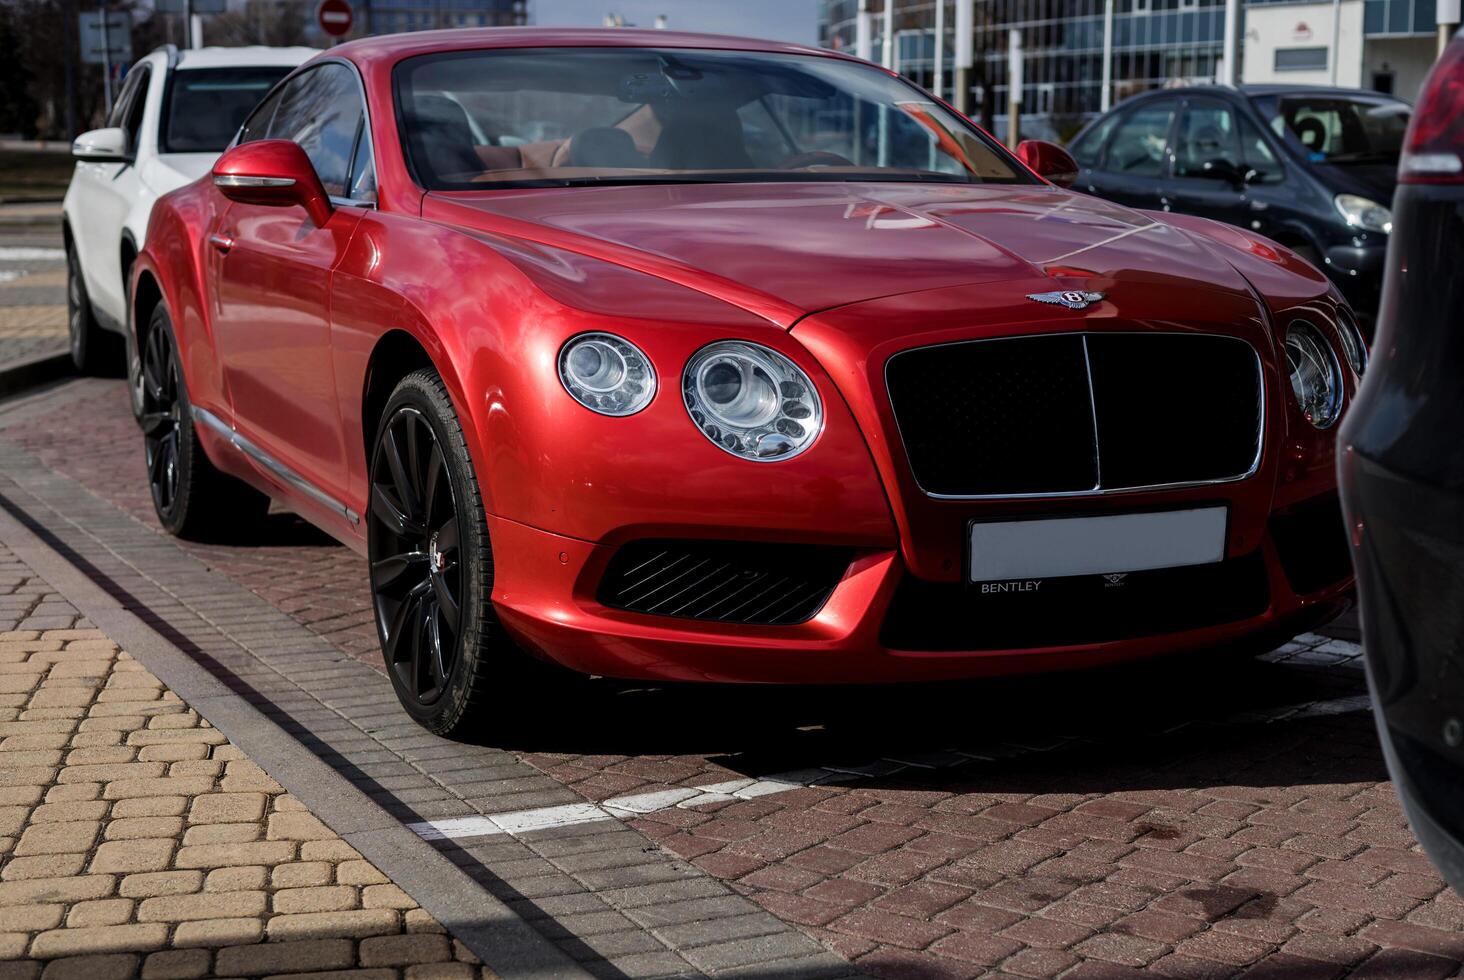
(1409, 553)
(546, 588)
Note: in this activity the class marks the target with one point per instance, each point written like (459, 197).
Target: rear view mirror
(275, 173)
(1049, 161)
(102, 146)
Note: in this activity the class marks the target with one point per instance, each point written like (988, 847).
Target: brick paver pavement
(1192, 822)
(135, 839)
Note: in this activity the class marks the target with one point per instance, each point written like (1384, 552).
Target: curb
(18, 376)
(496, 935)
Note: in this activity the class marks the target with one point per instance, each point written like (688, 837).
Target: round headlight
(751, 401)
(607, 374)
(1316, 377)
(1354, 348)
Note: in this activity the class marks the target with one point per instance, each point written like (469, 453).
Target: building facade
(1382, 45)
(1156, 43)
(394, 16)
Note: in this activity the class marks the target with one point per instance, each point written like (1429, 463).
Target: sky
(783, 20)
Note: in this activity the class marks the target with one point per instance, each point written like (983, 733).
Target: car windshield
(1332, 129)
(472, 120)
(206, 105)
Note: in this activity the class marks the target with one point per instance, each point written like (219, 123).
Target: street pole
(939, 48)
(1336, 37)
(1014, 87)
(963, 56)
(1448, 20)
(1106, 98)
(106, 57)
(887, 52)
(864, 32)
(1230, 53)
(188, 23)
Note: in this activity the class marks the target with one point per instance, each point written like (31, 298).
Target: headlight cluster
(1354, 348)
(607, 374)
(1360, 212)
(1316, 377)
(750, 401)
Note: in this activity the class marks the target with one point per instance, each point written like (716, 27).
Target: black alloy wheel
(416, 568)
(162, 420)
(431, 566)
(192, 497)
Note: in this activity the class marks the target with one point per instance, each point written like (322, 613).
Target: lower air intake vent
(729, 582)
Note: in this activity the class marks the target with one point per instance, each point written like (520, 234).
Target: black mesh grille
(996, 416)
(1017, 415)
(1311, 541)
(1174, 408)
(1070, 611)
(730, 582)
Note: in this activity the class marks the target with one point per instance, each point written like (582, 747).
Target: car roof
(250, 55)
(1263, 89)
(393, 47)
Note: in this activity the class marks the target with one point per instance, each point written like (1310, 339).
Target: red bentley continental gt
(681, 357)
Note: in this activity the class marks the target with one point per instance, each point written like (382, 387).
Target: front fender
(175, 255)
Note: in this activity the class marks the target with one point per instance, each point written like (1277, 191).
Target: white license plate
(1063, 546)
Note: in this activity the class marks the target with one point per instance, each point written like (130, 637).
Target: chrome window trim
(348, 202)
(1099, 490)
(289, 476)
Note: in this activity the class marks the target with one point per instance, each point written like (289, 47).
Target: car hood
(786, 250)
(1377, 181)
(172, 170)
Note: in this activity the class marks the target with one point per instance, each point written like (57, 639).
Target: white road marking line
(18, 253)
(514, 822)
(10, 275)
(1340, 653)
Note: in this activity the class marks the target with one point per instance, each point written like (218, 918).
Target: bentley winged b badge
(1073, 299)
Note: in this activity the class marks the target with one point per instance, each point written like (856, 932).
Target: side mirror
(275, 173)
(1226, 171)
(102, 146)
(1048, 161)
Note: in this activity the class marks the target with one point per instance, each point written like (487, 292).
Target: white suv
(176, 112)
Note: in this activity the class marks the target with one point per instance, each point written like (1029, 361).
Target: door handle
(221, 242)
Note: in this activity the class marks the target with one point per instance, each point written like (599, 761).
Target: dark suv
(1312, 168)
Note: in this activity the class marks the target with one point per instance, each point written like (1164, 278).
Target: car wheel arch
(147, 297)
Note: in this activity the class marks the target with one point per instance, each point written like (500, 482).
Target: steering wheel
(815, 158)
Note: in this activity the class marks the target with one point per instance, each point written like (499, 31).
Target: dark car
(1312, 168)
(1403, 473)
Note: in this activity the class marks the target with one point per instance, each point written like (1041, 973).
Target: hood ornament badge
(1073, 299)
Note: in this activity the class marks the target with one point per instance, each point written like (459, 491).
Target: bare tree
(273, 22)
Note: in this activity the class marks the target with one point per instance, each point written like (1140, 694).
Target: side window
(321, 110)
(256, 126)
(118, 113)
(1089, 144)
(1207, 135)
(132, 110)
(363, 169)
(1257, 154)
(1138, 145)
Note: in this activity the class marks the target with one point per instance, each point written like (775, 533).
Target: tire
(427, 541)
(192, 498)
(94, 351)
